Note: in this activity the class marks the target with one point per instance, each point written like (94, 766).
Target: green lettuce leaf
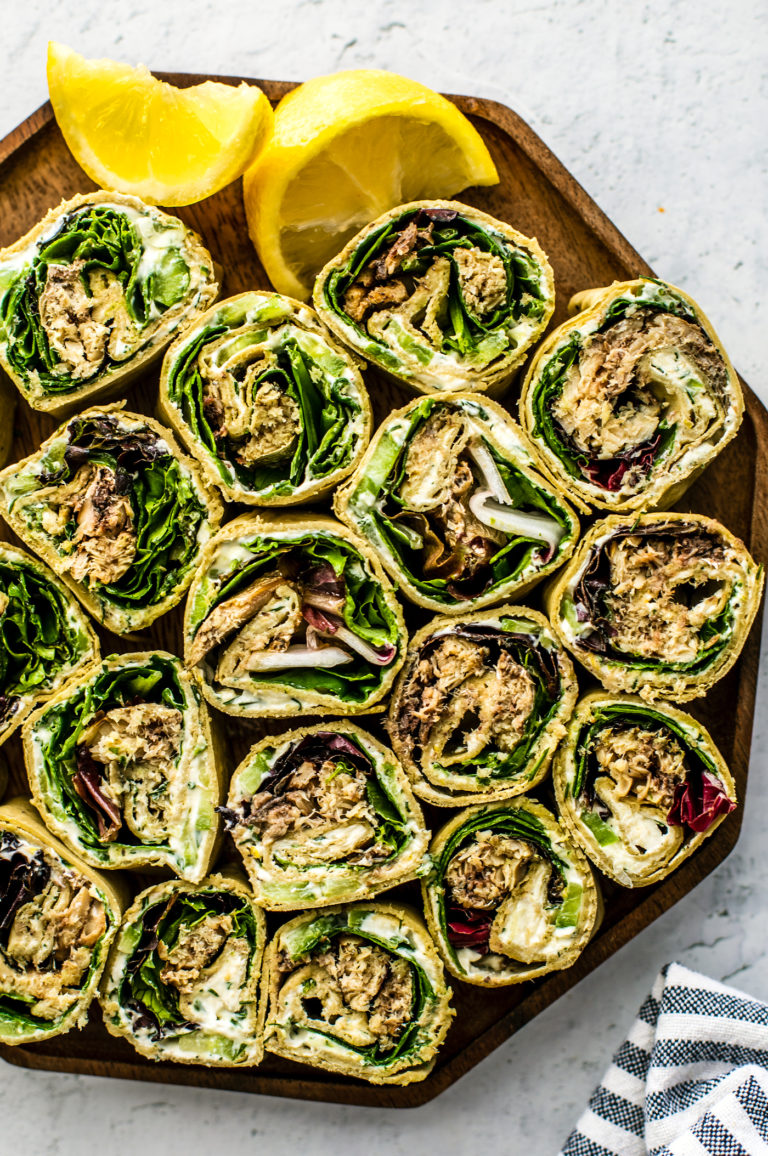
(37, 639)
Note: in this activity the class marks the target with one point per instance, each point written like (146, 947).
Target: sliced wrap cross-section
(292, 613)
(639, 787)
(57, 919)
(123, 766)
(440, 296)
(272, 407)
(93, 294)
(358, 990)
(182, 982)
(450, 499)
(481, 705)
(324, 815)
(511, 896)
(657, 604)
(115, 509)
(629, 401)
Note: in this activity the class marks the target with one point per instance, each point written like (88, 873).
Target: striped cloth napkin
(691, 1079)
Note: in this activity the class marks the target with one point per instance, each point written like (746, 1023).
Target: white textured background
(655, 105)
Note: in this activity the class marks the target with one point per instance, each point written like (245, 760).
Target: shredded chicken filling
(663, 591)
(648, 369)
(320, 815)
(458, 703)
(135, 749)
(49, 946)
(355, 990)
(86, 319)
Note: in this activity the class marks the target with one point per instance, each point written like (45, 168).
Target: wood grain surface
(539, 197)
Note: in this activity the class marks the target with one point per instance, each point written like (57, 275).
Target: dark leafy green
(37, 642)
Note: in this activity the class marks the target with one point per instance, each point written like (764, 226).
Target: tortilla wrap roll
(272, 407)
(123, 768)
(115, 509)
(450, 499)
(7, 413)
(630, 400)
(92, 294)
(324, 814)
(480, 706)
(183, 976)
(657, 604)
(639, 787)
(358, 990)
(57, 920)
(45, 638)
(439, 296)
(292, 613)
(511, 897)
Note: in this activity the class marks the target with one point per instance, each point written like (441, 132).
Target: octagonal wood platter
(538, 196)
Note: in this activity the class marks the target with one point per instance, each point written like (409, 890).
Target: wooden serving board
(539, 197)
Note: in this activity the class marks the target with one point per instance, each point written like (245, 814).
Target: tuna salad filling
(642, 786)
(661, 598)
(127, 770)
(308, 614)
(191, 966)
(616, 402)
(458, 517)
(322, 802)
(357, 992)
(476, 699)
(436, 281)
(51, 921)
(344, 978)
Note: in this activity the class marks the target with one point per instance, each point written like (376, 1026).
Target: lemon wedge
(136, 134)
(346, 148)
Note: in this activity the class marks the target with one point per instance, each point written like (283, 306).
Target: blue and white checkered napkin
(691, 1079)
